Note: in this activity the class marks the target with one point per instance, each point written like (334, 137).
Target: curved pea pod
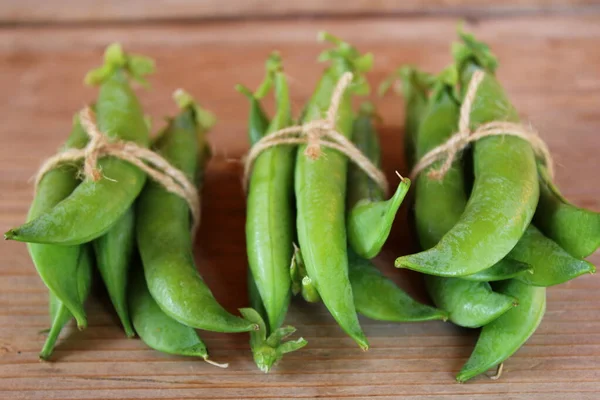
(551, 264)
(502, 337)
(59, 313)
(320, 188)
(163, 231)
(113, 258)
(270, 207)
(504, 269)
(94, 206)
(57, 265)
(158, 330)
(575, 229)
(505, 190)
(469, 304)
(370, 218)
(379, 298)
(267, 349)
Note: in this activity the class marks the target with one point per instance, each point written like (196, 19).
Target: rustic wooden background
(550, 66)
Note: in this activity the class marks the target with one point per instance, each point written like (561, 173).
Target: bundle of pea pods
(494, 229)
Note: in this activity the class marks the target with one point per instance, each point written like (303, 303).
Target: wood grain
(82, 11)
(550, 67)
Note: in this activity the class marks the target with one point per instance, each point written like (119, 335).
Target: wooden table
(550, 65)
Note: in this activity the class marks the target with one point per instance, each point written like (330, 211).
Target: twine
(316, 134)
(99, 145)
(461, 139)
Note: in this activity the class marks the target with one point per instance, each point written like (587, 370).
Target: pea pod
(59, 313)
(94, 207)
(270, 208)
(551, 265)
(113, 257)
(575, 229)
(505, 190)
(370, 218)
(320, 187)
(57, 265)
(439, 204)
(504, 269)
(267, 349)
(379, 298)
(502, 337)
(163, 231)
(469, 304)
(157, 329)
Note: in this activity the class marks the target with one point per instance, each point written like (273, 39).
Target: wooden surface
(551, 68)
(86, 11)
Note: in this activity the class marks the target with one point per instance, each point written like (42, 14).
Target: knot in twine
(100, 145)
(461, 139)
(316, 134)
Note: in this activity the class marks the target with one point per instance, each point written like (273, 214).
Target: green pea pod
(379, 298)
(320, 187)
(57, 265)
(469, 304)
(158, 330)
(59, 313)
(163, 231)
(505, 191)
(551, 264)
(113, 257)
(502, 337)
(94, 207)
(270, 208)
(370, 218)
(504, 269)
(439, 204)
(267, 349)
(415, 85)
(575, 229)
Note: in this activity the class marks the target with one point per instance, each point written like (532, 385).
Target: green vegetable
(575, 229)
(505, 191)
(320, 188)
(113, 257)
(163, 231)
(500, 338)
(157, 329)
(270, 207)
(94, 207)
(370, 218)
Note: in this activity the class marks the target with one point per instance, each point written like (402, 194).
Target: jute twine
(316, 134)
(461, 139)
(100, 145)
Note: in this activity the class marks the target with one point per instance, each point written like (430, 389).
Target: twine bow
(316, 134)
(461, 139)
(155, 166)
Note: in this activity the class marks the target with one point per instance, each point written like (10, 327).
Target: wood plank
(549, 67)
(81, 11)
